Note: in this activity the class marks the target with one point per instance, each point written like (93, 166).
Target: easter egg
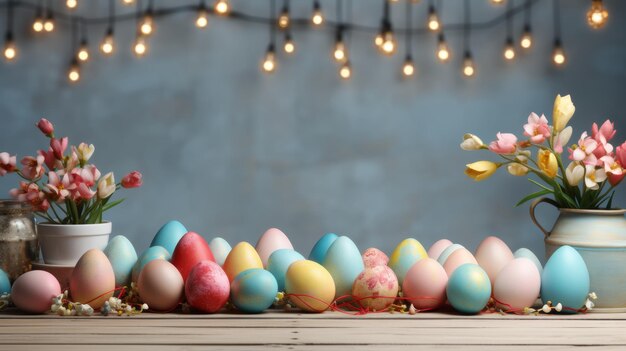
(457, 259)
(437, 248)
(373, 257)
(92, 280)
(344, 263)
(190, 250)
(253, 290)
(279, 262)
(241, 257)
(220, 249)
(565, 278)
(152, 253)
(318, 252)
(309, 286)
(122, 256)
(405, 255)
(207, 287)
(492, 255)
(5, 283)
(469, 289)
(375, 288)
(272, 240)
(425, 284)
(526, 253)
(517, 285)
(169, 235)
(160, 285)
(33, 291)
(447, 252)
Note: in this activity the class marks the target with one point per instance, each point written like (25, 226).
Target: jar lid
(14, 206)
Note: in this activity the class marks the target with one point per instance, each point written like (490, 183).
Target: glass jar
(19, 246)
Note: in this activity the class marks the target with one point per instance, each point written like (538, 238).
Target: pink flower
(584, 150)
(46, 127)
(537, 128)
(84, 192)
(506, 144)
(607, 130)
(59, 188)
(132, 180)
(58, 147)
(51, 162)
(33, 168)
(613, 170)
(7, 163)
(620, 154)
(30, 192)
(88, 175)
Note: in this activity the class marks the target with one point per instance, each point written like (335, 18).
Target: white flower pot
(64, 244)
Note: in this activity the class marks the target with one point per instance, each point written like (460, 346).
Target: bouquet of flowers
(74, 191)
(588, 182)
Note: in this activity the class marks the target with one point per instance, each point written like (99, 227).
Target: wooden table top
(280, 330)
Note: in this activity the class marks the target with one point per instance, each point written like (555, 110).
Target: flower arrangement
(74, 192)
(588, 181)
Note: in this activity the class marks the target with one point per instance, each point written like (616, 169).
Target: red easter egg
(190, 250)
(207, 288)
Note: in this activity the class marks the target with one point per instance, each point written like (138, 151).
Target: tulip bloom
(132, 180)
(563, 111)
(7, 163)
(574, 173)
(505, 145)
(46, 127)
(106, 186)
(547, 163)
(33, 167)
(85, 152)
(584, 150)
(58, 147)
(594, 176)
(481, 170)
(607, 130)
(562, 138)
(537, 128)
(471, 142)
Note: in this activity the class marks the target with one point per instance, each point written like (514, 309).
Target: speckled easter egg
(279, 262)
(405, 255)
(309, 286)
(190, 250)
(242, 257)
(5, 283)
(425, 284)
(160, 285)
(492, 255)
(207, 287)
(253, 290)
(447, 252)
(344, 263)
(437, 248)
(565, 279)
(169, 235)
(526, 253)
(122, 256)
(517, 285)
(220, 249)
(152, 253)
(469, 289)
(373, 257)
(458, 258)
(318, 252)
(272, 240)
(375, 288)
(92, 280)
(33, 291)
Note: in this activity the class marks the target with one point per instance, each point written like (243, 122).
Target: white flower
(593, 296)
(546, 309)
(471, 142)
(144, 306)
(574, 173)
(106, 186)
(558, 307)
(594, 176)
(589, 304)
(85, 151)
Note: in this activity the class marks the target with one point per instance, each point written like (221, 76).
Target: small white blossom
(558, 307)
(546, 309)
(144, 306)
(589, 304)
(593, 296)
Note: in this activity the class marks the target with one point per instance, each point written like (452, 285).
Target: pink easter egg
(207, 287)
(375, 288)
(33, 291)
(373, 257)
(518, 284)
(492, 255)
(457, 259)
(272, 240)
(437, 248)
(425, 284)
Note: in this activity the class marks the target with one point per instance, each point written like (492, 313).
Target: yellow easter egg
(242, 257)
(309, 286)
(405, 255)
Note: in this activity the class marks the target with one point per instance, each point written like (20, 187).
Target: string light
(497, 2)
(147, 24)
(443, 52)
(386, 41)
(283, 19)
(71, 4)
(468, 70)
(140, 46)
(509, 50)
(38, 22)
(526, 40)
(269, 61)
(128, 2)
(468, 65)
(222, 7)
(345, 71)
(202, 19)
(317, 18)
(340, 53)
(48, 24)
(509, 47)
(73, 73)
(108, 43)
(10, 50)
(597, 15)
(83, 51)
(289, 46)
(558, 54)
(433, 19)
(408, 68)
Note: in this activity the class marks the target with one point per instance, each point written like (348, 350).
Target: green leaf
(609, 205)
(539, 184)
(534, 195)
(112, 204)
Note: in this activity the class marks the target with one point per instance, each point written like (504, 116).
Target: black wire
(111, 14)
(409, 23)
(83, 30)
(557, 20)
(509, 21)
(467, 29)
(9, 17)
(74, 37)
(272, 24)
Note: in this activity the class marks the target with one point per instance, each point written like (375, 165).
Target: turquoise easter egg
(447, 252)
(220, 249)
(318, 252)
(565, 279)
(122, 255)
(469, 289)
(344, 263)
(152, 253)
(169, 235)
(253, 290)
(404, 257)
(279, 262)
(5, 283)
(526, 253)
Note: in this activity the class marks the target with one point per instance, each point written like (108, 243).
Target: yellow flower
(547, 163)
(563, 112)
(518, 168)
(481, 170)
(471, 142)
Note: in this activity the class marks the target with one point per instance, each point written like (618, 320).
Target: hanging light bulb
(83, 51)
(269, 61)
(71, 4)
(10, 50)
(345, 71)
(108, 43)
(140, 46)
(597, 14)
(128, 2)
(558, 54)
(38, 22)
(222, 7)
(289, 46)
(388, 46)
(497, 2)
(433, 19)
(48, 24)
(340, 53)
(147, 23)
(378, 40)
(283, 18)
(509, 50)
(202, 19)
(73, 73)
(317, 18)
(526, 41)
(468, 65)
(408, 69)
(443, 52)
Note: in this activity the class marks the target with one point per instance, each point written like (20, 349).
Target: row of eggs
(207, 275)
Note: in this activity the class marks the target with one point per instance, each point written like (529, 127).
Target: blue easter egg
(122, 255)
(526, 253)
(152, 253)
(253, 290)
(469, 289)
(344, 263)
(447, 252)
(279, 262)
(169, 235)
(565, 279)
(220, 249)
(5, 283)
(318, 252)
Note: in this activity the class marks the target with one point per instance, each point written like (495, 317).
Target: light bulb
(317, 18)
(345, 71)
(468, 66)
(526, 41)
(340, 52)
(283, 19)
(38, 24)
(202, 20)
(222, 7)
(128, 2)
(71, 4)
(289, 46)
(497, 2)
(83, 52)
(433, 19)
(269, 61)
(389, 43)
(108, 44)
(408, 69)
(443, 52)
(378, 40)
(48, 24)
(10, 50)
(140, 47)
(73, 73)
(147, 25)
(597, 15)
(509, 50)
(558, 54)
